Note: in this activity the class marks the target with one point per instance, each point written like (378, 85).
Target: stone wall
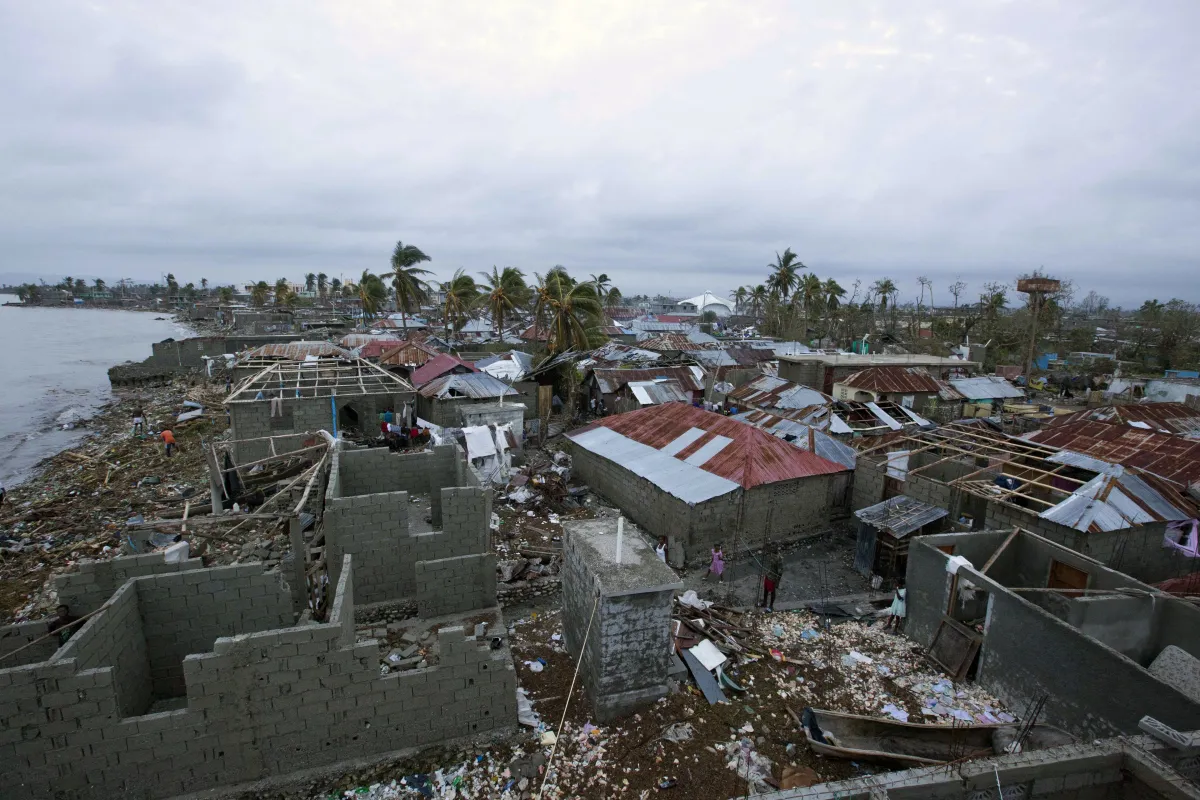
(93, 582)
(374, 529)
(868, 483)
(259, 704)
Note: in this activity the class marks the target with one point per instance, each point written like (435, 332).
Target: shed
(884, 531)
(639, 394)
(439, 400)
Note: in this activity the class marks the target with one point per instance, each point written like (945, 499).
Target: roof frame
(319, 379)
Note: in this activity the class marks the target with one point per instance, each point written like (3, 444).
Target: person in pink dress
(717, 567)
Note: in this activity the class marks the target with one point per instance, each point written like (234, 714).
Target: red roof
(902, 380)
(438, 366)
(377, 347)
(413, 352)
(1171, 457)
(543, 335)
(1165, 417)
(666, 342)
(752, 457)
(675, 317)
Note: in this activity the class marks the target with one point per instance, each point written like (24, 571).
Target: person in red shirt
(169, 439)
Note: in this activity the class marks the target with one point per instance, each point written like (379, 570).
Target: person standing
(717, 567)
(61, 623)
(661, 549)
(169, 440)
(771, 578)
(139, 422)
(899, 609)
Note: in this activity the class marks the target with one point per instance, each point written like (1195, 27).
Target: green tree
(322, 284)
(283, 291)
(739, 298)
(506, 291)
(612, 298)
(884, 289)
(80, 285)
(371, 293)
(335, 287)
(831, 298)
(461, 296)
(810, 291)
(759, 296)
(572, 308)
(225, 295)
(99, 285)
(67, 283)
(408, 280)
(784, 273)
(204, 284)
(172, 285)
(258, 294)
(310, 282)
(28, 293)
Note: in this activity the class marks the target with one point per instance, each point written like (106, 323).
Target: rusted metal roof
(667, 342)
(476, 385)
(712, 443)
(900, 380)
(663, 390)
(298, 351)
(377, 347)
(1161, 417)
(798, 434)
(1172, 457)
(614, 330)
(359, 339)
(772, 392)
(438, 366)
(408, 354)
(610, 380)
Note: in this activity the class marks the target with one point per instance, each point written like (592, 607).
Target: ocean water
(54, 368)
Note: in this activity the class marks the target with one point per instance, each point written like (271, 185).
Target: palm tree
(335, 287)
(258, 294)
(810, 292)
(67, 283)
(573, 307)
(372, 294)
(322, 284)
(612, 298)
(783, 277)
(758, 301)
(310, 282)
(204, 284)
(99, 284)
(739, 298)
(189, 291)
(602, 284)
(225, 295)
(282, 290)
(832, 294)
(80, 285)
(172, 284)
(883, 289)
(461, 295)
(407, 281)
(507, 291)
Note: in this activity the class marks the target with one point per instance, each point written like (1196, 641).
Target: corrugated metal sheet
(772, 392)
(623, 353)
(898, 380)
(610, 380)
(378, 347)
(661, 391)
(407, 354)
(689, 483)
(751, 457)
(985, 387)
(1173, 418)
(806, 437)
(352, 340)
(477, 385)
(438, 366)
(884, 417)
(298, 351)
(667, 342)
(900, 515)
(1172, 457)
(1114, 500)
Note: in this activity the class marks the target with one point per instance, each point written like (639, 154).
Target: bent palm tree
(506, 291)
(407, 280)
(371, 293)
(310, 282)
(572, 309)
(258, 294)
(322, 284)
(461, 295)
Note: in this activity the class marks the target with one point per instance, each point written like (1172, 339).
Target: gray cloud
(675, 147)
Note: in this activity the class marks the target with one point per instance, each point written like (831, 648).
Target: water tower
(1037, 287)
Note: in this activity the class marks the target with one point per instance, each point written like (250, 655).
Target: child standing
(899, 609)
(717, 567)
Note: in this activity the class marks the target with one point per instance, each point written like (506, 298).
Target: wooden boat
(838, 735)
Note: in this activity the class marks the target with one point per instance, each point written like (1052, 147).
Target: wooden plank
(999, 550)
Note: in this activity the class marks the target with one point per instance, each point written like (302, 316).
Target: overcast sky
(675, 146)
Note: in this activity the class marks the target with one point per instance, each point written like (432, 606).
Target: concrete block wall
(1028, 652)
(446, 468)
(455, 585)
(259, 704)
(182, 616)
(377, 469)
(374, 529)
(868, 483)
(115, 640)
(782, 511)
(93, 582)
(934, 493)
(16, 637)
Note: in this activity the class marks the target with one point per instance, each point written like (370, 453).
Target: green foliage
(505, 292)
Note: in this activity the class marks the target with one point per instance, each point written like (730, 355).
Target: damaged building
(702, 479)
(1120, 515)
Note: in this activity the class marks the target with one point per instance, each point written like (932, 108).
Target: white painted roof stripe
(677, 478)
(680, 442)
(710, 449)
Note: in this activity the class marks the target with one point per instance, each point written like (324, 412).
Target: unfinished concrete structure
(197, 678)
(1131, 768)
(445, 566)
(1055, 625)
(617, 602)
(172, 357)
(444, 401)
(986, 479)
(701, 478)
(291, 397)
(822, 370)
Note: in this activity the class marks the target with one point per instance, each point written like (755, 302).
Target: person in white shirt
(661, 549)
